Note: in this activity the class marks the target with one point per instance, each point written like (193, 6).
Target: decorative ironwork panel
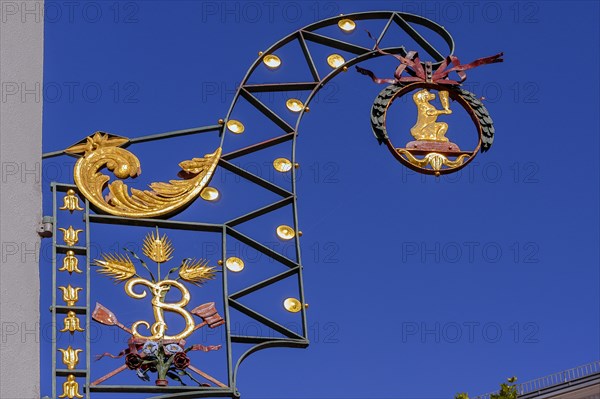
(162, 338)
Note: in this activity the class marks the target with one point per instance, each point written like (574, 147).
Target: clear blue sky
(418, 288)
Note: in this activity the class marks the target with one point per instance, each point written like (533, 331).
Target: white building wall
(21, 66)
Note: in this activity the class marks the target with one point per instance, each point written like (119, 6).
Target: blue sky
(418, 287)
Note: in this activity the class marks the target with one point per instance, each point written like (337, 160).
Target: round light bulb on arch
(235, 126)
(335, 61)
(210, 194)
(347, 25)
(272, 61)
(234, 264)
(292, 305)
(285, 232)
(294, 105)
(282, 165)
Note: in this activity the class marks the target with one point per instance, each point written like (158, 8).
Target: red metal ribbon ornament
(426, 74)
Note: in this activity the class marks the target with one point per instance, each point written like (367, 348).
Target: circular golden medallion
(431, 151)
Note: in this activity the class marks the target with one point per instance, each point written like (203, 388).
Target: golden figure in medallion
(431, 141)
(427, 126)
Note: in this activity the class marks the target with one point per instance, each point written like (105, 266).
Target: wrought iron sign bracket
(153, 348)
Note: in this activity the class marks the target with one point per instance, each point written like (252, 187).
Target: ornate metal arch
(403, 20)
(95, 214)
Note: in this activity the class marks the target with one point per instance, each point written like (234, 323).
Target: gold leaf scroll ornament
(104, 150)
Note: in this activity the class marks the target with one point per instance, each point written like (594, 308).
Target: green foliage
(507, 391)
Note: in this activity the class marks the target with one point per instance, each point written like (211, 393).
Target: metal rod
(262, 248)
(199, 326)
(65, 309)
(175, 133)
(417, 37)
(266, 111)
(244, 339)
(226, 307)
(151, 137)
(54, 288)
(327, 41)
(207, 376)
(253, 178)
(107, 376)
(264, 283)
(260, 212)
(384, 31)
(271, 87)
(88, 346)
(264, 320)
(66, 372)
(257, 147)
(309, 59)
(168, 224)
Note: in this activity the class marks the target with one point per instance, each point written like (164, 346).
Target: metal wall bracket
(45, 228)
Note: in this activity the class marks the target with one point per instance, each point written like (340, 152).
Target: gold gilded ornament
(434, 159)
(71, 388)
(160, 250)
(427, 127)
(159, 291)
(157, 248)
(70, 263)
(71, 202)
(70, 294)
(104, 150)
(196, 272)
(70, 357)
(71, 323)
(70, 235)
(119, 267)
